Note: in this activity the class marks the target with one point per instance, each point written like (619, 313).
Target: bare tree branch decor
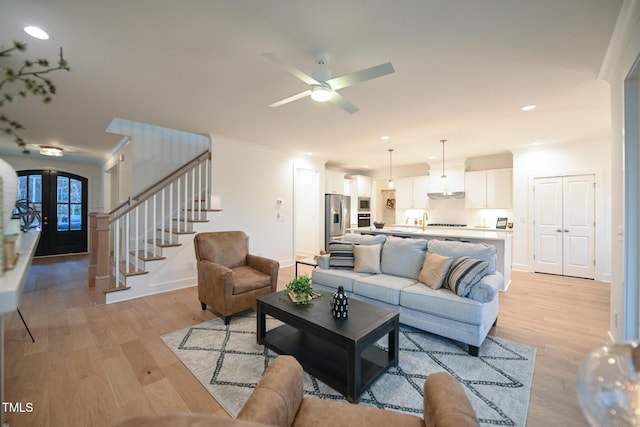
(18, 83)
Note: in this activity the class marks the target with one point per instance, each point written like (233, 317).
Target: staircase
(144, 246)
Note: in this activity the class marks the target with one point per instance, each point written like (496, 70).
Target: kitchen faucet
(425, 218)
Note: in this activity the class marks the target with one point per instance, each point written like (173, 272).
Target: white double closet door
(564, 225)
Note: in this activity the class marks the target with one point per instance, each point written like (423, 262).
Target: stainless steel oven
(364, 219)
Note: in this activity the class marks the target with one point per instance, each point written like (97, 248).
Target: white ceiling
(463, 70)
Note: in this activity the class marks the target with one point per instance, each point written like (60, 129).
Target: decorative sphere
(608, 385)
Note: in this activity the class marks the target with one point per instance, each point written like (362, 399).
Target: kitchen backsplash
(453, 211)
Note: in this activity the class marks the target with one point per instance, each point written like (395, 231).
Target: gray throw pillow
(403, 257)
(456, 249)
(365, 239)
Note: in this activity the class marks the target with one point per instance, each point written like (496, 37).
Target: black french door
(61, 200)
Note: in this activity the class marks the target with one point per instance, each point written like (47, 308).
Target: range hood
(451, 195)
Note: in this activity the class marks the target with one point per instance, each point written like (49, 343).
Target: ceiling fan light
(47, 150)
(320, 93)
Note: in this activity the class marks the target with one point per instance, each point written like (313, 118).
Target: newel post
(99, 257)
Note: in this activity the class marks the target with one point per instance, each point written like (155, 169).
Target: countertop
(465, 232)
(12, 281)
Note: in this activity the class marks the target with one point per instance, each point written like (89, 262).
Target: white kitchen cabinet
(360, 186)
(334, 182)
(455, 180)
(404, 193)
(346, 186)
(411, 192)
(489, 189)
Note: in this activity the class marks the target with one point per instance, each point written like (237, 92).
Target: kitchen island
(500, 239)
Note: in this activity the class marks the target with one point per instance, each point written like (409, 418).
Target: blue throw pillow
(456, 249)
(403, 257)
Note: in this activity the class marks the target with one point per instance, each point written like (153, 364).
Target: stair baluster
(135, 222)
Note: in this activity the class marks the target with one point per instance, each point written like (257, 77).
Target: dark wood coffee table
(338, 352)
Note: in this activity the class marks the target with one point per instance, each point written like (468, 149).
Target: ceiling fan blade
(291, 98)
(361, 76)
(291, 69)
(342, 102)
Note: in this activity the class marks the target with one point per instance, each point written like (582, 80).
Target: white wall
(154, 152)
(583, 157)
(622, 54)
(91, 171)
(249, 179)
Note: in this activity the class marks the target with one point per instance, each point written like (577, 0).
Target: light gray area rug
(228, 362)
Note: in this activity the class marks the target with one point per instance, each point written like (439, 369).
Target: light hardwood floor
(95, 365)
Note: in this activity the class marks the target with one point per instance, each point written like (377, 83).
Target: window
(69, 204)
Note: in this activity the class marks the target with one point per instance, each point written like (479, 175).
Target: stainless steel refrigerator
(337, 217)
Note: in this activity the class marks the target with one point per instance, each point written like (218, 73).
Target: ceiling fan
(323, 87)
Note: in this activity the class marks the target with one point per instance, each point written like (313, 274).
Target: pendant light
(445, 186)
(390, 182)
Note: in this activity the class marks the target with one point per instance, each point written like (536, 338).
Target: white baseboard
(521, 267)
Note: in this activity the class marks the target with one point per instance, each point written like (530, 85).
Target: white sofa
(466, 319)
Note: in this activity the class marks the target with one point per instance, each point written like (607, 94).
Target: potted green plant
(300, 290)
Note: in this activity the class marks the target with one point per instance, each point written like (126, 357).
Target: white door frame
(299, 211)
(631, 327)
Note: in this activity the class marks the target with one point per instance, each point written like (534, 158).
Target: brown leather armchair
(229, 278)
(278, 400)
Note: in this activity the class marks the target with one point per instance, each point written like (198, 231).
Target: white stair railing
(141, 226)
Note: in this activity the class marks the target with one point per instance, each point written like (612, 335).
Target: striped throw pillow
(340, 255)
(464, 273)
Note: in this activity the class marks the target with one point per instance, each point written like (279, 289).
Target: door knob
(566, 230)
(559, 231)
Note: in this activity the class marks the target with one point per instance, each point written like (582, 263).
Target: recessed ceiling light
(528, 107)
(537, 143)
(432, 157)
(365, 166)
(309, 153)
(36, 32)
(384, 137)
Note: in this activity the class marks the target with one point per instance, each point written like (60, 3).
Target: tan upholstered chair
(229, 278)
(278, 400)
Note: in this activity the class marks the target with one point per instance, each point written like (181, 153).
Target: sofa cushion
(333, 278)
(456, 249)
(365, 239)
(434, 270)
(463, 273)
(382, 287)
(340, 255)
(403, 257)
(366, 258)
(442, 303)
(486, 289)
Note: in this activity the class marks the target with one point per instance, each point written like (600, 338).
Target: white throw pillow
(366, 258)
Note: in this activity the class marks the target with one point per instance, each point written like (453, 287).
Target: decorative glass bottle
(340, 304)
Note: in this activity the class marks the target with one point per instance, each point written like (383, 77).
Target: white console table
(11, 286)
